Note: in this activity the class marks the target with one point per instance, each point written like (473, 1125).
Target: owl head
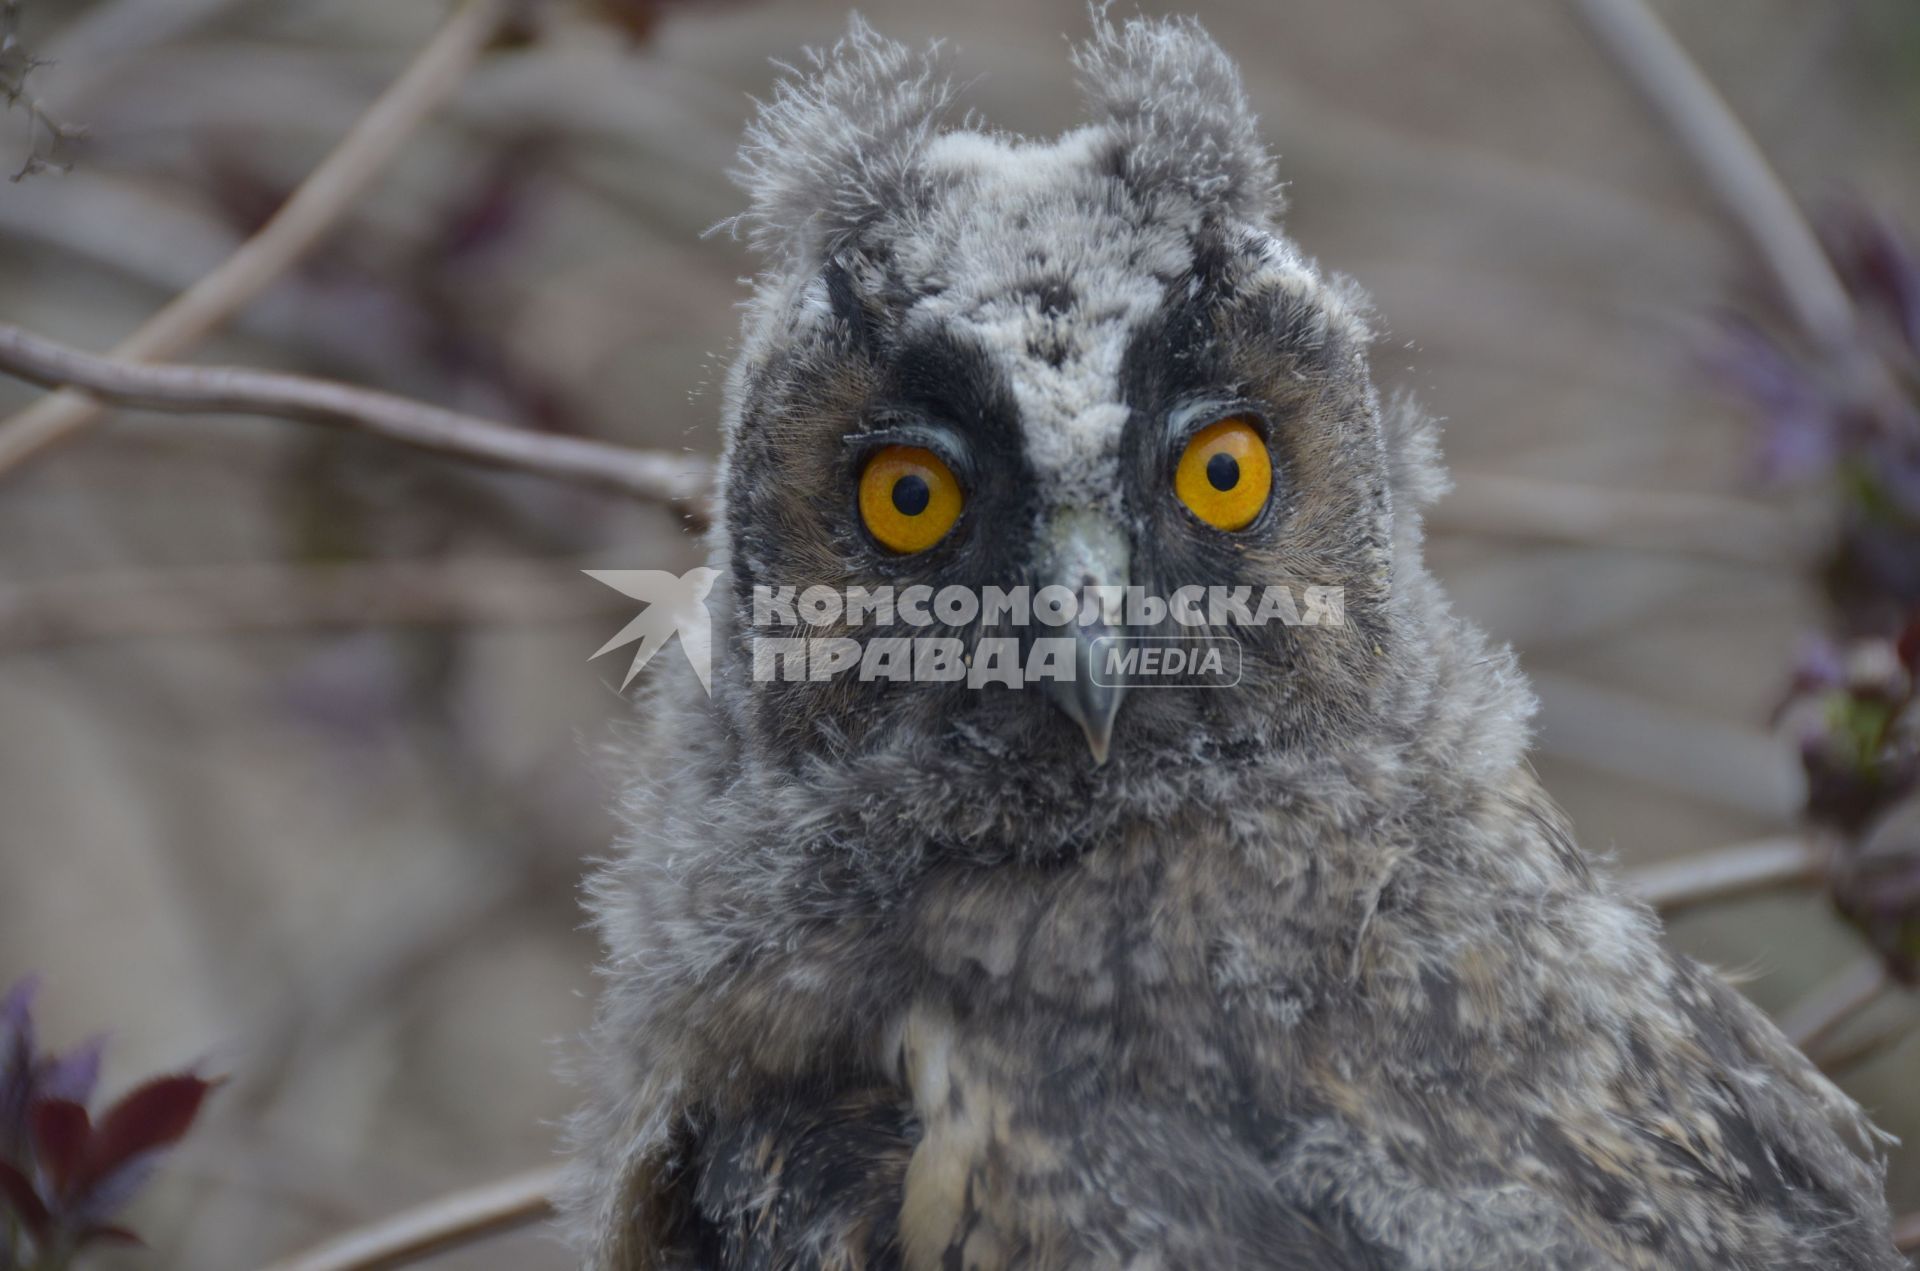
(980, 361)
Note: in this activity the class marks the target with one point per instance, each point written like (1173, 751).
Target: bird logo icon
(675, 603)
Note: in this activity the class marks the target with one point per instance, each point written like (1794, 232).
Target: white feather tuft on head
(1174, 100)
(839, 144)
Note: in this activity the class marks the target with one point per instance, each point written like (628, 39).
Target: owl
(1299, 967)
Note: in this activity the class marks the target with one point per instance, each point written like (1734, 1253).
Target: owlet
(1038, 957)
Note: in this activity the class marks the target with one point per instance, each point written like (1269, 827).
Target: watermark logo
(676, 604)
(1119, 661)
(1113, 637)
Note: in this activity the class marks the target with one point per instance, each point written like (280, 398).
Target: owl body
(1305, 972)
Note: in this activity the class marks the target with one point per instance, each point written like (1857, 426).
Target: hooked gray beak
(1084, 549)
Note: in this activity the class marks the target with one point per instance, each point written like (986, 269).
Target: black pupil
(911, 495)
(1223, 473)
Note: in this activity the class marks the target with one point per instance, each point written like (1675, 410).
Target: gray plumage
(1310, 973)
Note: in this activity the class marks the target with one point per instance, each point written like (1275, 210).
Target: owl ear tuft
(838, 144)
(1174, 101)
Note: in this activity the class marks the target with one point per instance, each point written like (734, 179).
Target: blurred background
(301, 753)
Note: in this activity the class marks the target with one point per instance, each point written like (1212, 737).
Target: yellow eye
(1225, 475)
(908, 498)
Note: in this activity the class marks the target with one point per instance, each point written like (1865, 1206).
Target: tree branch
(314, 208)
(219, 599)
(1872, 1042)
(449, 1222)
(1746, 185)
(1812, 1022)
(1713, 525)
(1763, 865)
(647, 474)
(94, 42)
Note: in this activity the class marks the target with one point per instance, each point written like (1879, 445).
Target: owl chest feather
(1140, 965)
(1076, 1033)
(1188, 1053)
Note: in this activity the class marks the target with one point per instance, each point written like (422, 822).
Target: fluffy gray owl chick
(1308, 973)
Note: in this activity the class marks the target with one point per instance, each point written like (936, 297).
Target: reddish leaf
(1909, 646)
(151, 1116)
(61, 1134)
(17, 1194)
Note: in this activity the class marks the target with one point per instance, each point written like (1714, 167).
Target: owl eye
(909, 499)
(1225, 474)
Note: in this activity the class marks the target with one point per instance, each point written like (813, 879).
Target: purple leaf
(72, 1075)
(16, 1042)
(18, 1195)
(16, 1065)
(1800, 428)
(16, 1009)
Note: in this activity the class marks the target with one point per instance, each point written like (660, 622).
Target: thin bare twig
(449, 1222)
(647, 474)
(1732, 164)
(1713, 525)
(1811, 1022)
(314, 208)
(1763, 865)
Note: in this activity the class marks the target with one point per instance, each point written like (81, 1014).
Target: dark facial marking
(950, 380)
(848, 307)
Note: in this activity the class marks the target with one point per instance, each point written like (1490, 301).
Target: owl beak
(1081, 550)
(1092, 706)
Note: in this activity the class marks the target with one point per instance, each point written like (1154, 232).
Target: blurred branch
(314, 208)
(450, 1222)
(646, 474)
(1763, 865)
(1732, 164)
(106, 32)
(1811, 1023)
(1666, 746)
(425, 932)
(1743, 530)
(214, 599)
(86, 216)
(1872, 1042)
